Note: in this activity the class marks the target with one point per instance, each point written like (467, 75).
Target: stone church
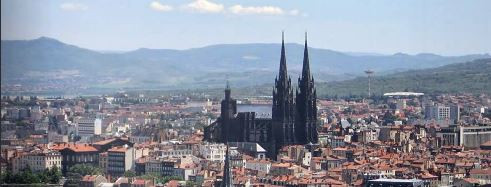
(292, 121)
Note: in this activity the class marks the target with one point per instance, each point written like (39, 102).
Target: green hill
(469, 77)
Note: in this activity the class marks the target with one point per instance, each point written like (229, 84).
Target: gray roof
(261, 110)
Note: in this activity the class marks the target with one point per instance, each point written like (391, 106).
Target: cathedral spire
(306, 103)
(283, 77)
(227, 91)
(283, 109)
(306, 65)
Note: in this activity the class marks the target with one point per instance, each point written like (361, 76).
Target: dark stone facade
(293, 119)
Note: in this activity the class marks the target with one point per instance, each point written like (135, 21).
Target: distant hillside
(48, 63)
(469, 77)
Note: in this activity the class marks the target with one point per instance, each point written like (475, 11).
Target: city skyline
(385, 27)
(222, 93)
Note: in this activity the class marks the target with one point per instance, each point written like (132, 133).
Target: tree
(190, 184)
(86, 169)
(43, 176)
(48, 176)
(150, 176)
(27, 177)
(77, 171)
(129, 173)
(54, 175)
(166, 179)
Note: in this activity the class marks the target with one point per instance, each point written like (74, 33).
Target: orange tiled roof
(118, 149)
(480, 171)
(74, 147)
(138, 182)
(488, 143)
(89, 178)
(471, 180)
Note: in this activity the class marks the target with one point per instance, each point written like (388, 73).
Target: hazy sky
(445, 27)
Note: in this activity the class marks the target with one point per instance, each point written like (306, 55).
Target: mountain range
(48, 62)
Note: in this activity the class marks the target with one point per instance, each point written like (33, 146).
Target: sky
(446, 27)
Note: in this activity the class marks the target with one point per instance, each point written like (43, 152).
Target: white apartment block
(88, 127)
(258, 165)
(213, 152)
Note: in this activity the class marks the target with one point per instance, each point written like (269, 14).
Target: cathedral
(293, 118)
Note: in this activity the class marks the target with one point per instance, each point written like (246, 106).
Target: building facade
(76, 154)
(442, 112)
(88, 127)
(119, 160)
(37, 161)
(467, 136)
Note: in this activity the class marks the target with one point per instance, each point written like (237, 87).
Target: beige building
(92, 181)
(483, 175)
(36, 160)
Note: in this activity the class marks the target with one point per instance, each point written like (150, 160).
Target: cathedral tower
(306, 104)
(283, 112)
(228, 111)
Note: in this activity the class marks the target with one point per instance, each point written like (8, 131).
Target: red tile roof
(138, 182)
(480, 171)
(118, 149)
(89, 178)
(74, 147)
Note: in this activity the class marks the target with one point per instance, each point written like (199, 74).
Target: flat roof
(396, 180)
(403, 94)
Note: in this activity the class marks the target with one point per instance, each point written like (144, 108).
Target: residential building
(395, 182)
(37, 160)
(212, 152)
(76, 154)
(88, 127)
(442, 112)
(119, 160)
(92, 181)
(258, 165)
(483, 175)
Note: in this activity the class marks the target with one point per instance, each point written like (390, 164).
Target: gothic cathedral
(293, 120)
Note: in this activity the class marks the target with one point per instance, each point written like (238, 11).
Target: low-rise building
(395, 182)
(76, 154)
(37, 161)
(258, 165)
(213, 152)
(92, 181)
(483, 175)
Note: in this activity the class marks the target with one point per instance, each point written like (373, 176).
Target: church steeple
(306, 65)
(306, 103)
(283, 75)
(227, 113)
(227, 91)
(283, 113)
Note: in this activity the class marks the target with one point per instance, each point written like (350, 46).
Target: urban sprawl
(290, 139)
